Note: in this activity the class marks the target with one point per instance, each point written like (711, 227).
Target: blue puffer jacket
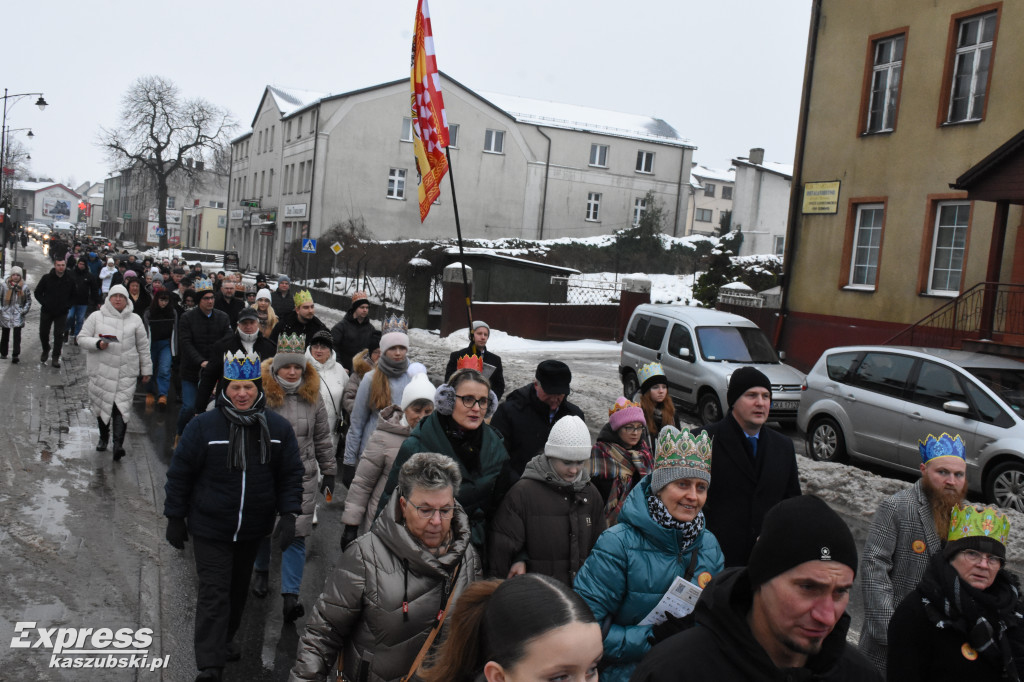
(224, 504)
(629, 570)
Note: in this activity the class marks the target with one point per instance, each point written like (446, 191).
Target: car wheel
(630, 385)
(1005, 485)
(825, 441)
(708, 408)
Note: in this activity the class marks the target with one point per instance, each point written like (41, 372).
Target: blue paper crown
(241, 366)
(943, 446)
(203, 285)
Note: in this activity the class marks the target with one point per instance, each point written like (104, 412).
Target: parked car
(699, 350)
(876, 402)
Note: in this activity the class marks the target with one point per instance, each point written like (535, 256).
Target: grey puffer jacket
(374, 467)
(306, 412)
(359, 613)
(13, 311)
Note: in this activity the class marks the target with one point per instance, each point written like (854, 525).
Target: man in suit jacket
(753, 467)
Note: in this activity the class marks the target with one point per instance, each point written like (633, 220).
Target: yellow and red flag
(429, 121)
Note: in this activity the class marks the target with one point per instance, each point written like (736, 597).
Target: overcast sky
(726, 74)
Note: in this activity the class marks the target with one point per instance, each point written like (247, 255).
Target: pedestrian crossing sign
(308, 246)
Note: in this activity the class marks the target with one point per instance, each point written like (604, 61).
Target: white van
(699, 350)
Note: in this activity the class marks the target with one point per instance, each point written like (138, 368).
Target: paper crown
(241, 366)
(943, 446)
(470, 362)
(394, 324)
(687, 453)
(970, 521)
(302, 297)
(202, 285)
(649, 371)
(291, 343)
(622, 404)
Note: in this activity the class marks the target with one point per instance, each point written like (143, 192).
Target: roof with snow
(783, 169)
(291, 100)
(714, 174)
(39, 186)
(489, 253)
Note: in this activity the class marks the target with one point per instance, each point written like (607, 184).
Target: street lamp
(4, 199)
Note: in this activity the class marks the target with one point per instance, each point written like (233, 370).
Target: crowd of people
(488, 536)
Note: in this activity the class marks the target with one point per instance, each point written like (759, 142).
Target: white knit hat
(419, 388)
(263, 293)
(569, 440)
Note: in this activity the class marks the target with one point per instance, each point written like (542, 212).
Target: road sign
(127, 216)
(336, 248)
(308, 246)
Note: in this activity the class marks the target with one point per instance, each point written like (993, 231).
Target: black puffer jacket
(350, 337)
(230, 308)
(55, 294)
(523, 420)
(282, 302)
(722, 647)
(87, 287)
(225, 504)
(197, 335)
(210, 375)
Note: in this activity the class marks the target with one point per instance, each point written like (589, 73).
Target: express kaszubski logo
(90, 647)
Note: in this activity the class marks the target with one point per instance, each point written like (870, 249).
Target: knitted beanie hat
(569, 439)
(744, 379)
(263, 293)
(419, 388)
(680, 454)
(625, 412)
(323, 337)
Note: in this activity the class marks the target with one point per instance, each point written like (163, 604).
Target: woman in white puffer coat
(117, 352)
(333, 378)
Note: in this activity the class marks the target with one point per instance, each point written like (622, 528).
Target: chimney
(756, 156)
(200, 165)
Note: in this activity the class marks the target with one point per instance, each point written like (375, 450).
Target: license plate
(785, 404)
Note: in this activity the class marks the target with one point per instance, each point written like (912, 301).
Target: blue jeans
(293, 562)
(160, 351)
(188, 404)
(76, 316)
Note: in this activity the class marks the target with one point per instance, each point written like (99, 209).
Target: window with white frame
(593, 206)
(709, 189)
(270, 186)
(948, 245)
(396, 183)
(727, 192)
(974, 38)
(639, 208)
(170, 202)
(702, 215)
(494, 141)
(599, 155)
(298, 128)
(453, 135)
(887, 64)
(867, 242)
(406, 129)
(779, 245)
(308, 186)
(272, 129)
(644, 162)
(216, 204)
(302, 172)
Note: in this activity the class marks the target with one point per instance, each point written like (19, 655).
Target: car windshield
(1008, 384)
(735, 344)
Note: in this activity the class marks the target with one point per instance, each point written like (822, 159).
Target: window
(937, 384)
(680, 340)
(288, 132)
(453, 135)
(307, 186)
(948, 244)
(648, 331)
(867, 241)
(494, 141)
(887, 64)
(727, 192)
(644, 162)
(259, 142)
(270, 187)
(272, 137)
(396, 183)
(639, 208)
(298, 132)
(779, 245)
(312, 122)
(170, 202)
(599, 155)
(974, 38)
(263, 179)
(216, 204)
(709, 189)
(703, 215)
(593, 206)
(406, 129)
(302, 172)
(838, 366)
(884, 373)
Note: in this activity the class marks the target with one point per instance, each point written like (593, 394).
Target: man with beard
(906, 531)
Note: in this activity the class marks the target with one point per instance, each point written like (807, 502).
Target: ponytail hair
(494, 620)
(380, 391)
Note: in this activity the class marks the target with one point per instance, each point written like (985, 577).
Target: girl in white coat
(117, 352)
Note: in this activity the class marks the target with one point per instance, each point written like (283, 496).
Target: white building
(44, 202)
(522, 168)
(761, 203)
(711, 197)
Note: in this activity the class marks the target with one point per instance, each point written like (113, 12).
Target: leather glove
(287, 528)
(671, 626)
(348, 472)
(177, 532)
(327, 483)
(348, 536)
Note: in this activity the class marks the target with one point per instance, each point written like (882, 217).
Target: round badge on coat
(969, 653)
(703, 579)
(918, 546)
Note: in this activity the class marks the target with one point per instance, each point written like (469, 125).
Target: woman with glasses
(394, 584)
(621, 456)
(457, 428)
(965, 620)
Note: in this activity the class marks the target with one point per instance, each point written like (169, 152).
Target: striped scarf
(242, 431)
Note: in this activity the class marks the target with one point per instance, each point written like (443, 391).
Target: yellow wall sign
(821, 197)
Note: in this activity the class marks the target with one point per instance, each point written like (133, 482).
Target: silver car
(876, 402)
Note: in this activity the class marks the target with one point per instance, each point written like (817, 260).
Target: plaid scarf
(625, 468)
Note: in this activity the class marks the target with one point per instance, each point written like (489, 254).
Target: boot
(291, 608)
(101, 445)
(119, 428)
(150, 402)
(259, 583)
(209, 674)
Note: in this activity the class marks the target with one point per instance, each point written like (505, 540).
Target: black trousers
(223, 570)
(5, 336)
(58, 321)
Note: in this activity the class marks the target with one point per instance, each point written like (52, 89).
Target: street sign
(336, 248)
(127, 216)
(308, 246)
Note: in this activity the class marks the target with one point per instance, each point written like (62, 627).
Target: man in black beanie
(753, 467)
(782, 617)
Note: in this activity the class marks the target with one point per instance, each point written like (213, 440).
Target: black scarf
(242, 431)
(983, 616)
(466, 443)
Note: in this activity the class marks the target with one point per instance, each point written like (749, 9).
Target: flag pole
(462, 252)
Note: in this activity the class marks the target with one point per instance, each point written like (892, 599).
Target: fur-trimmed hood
(309, 391)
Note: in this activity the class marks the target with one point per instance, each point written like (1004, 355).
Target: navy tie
(753, 445)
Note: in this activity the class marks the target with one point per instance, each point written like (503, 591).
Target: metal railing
(579, 291)
(985, 310)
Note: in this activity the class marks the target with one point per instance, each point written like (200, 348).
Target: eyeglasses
(975, 558)
(469, 401)
(427, 513)
(630, 428)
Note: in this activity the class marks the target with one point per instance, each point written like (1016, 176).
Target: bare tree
(159, 130)
(16, 162)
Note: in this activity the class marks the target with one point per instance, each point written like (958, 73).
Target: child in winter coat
(550, 519)
(621, 456)
(15, 302)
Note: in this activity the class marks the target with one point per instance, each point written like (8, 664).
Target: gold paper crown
(291, 343)
(471, 361)
(302, 297)
(971, 521)
(241, 366)
(622, 404)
